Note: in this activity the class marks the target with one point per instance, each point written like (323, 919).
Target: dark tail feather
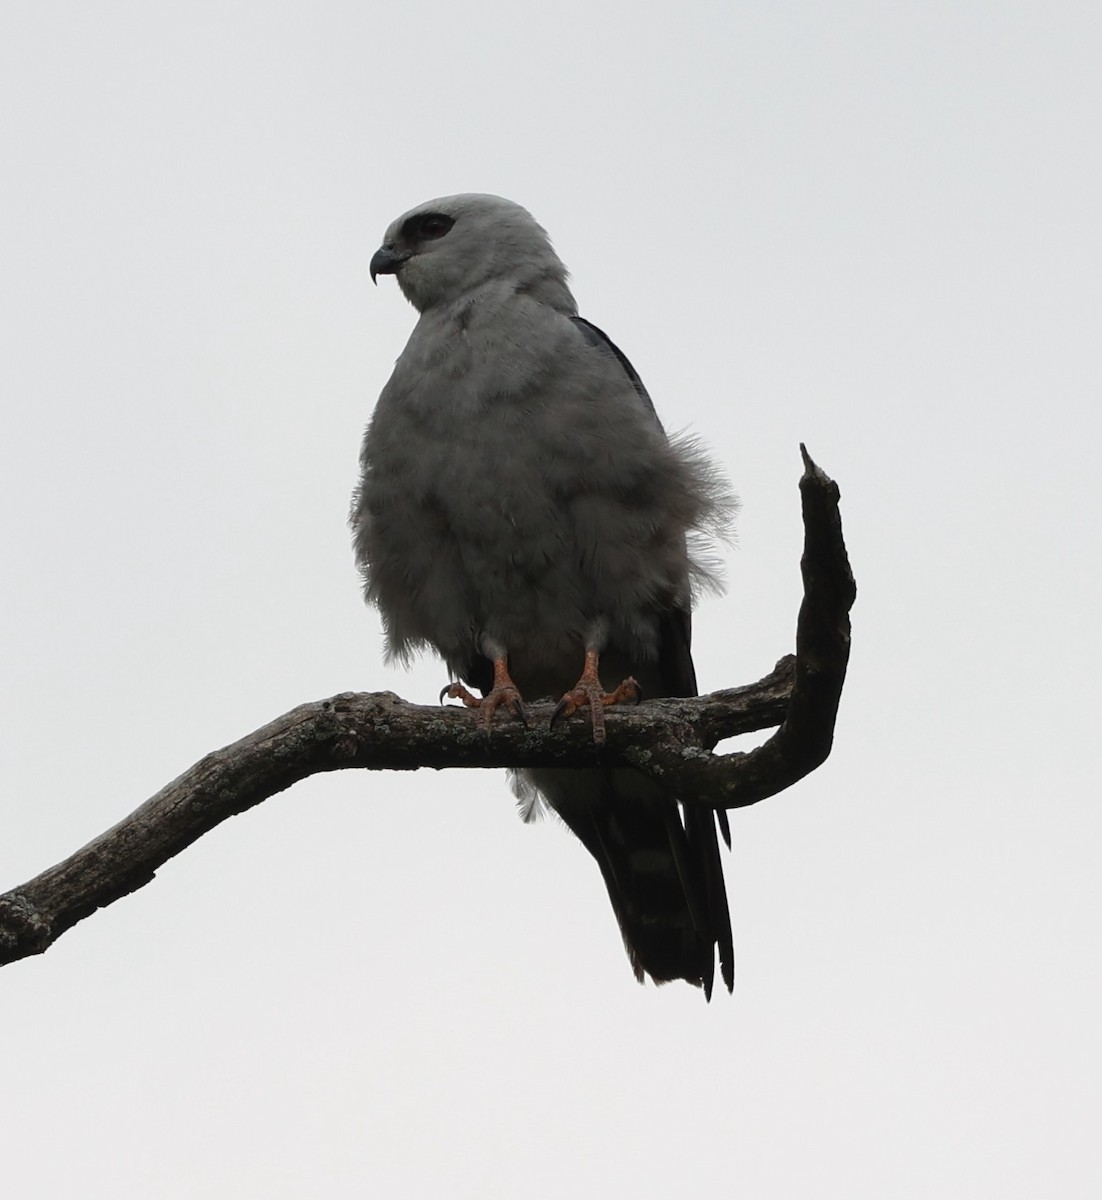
(686, 862)
(665, 881)
(724, 827)
(700, 828)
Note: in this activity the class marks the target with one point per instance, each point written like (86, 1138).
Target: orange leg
(504, 691)
(588, 692)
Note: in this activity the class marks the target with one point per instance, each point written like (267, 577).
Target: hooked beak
(386, 261)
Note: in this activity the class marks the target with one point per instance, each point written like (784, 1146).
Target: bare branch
(668, 739)
(806, 735)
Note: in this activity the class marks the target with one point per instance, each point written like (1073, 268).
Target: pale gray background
(873, 227)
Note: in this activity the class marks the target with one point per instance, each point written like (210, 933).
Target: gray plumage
(520, 501)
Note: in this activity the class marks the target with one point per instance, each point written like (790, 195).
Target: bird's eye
(433, 225)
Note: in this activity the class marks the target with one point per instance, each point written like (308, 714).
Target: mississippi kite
(522, 513)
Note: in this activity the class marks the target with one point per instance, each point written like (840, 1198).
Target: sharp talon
(503, 694)
(587, 692)
(456, 691)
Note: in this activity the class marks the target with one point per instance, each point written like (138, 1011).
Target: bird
(522, 513)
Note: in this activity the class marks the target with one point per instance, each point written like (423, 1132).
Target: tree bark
(670, 739)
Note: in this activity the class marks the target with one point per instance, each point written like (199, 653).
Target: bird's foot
(504, 693)
(588, 692)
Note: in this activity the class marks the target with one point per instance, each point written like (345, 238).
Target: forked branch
(672, 740)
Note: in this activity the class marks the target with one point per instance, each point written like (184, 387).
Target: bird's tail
(662, 871)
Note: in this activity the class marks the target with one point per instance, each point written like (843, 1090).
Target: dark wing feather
(672, 915)
(600, 339)
(679, 677)
(693, 845)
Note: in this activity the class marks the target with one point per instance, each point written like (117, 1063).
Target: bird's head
(445, 248)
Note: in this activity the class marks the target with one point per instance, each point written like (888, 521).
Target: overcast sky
(870, 227)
